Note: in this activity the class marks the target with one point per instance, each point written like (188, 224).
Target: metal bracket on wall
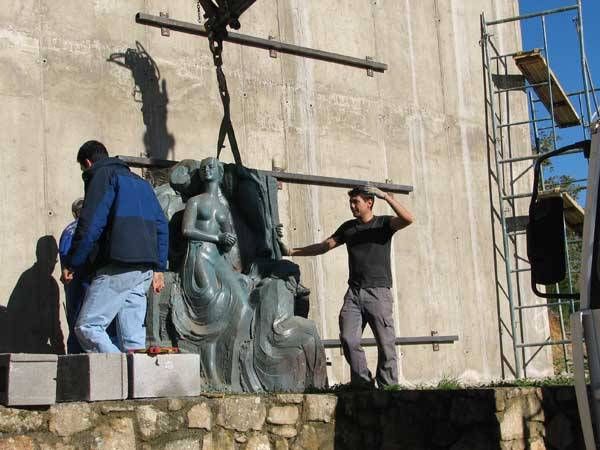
(369, 70)
(163, 30)
(272, 51)
(267, 44)
(435, 345)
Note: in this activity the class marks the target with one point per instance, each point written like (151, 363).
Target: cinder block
(27, 379)
(176, 375)
(92, 377)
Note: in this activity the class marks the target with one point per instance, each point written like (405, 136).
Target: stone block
(241, 413)
(27, 379)
(200, 416)
(283, 415)
(91, 377)
(118, 433)
(70, 418)
(176, 375)
(319, 407)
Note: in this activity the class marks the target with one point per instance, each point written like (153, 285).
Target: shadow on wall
(151, 92)
(30, 322)
(508, 81)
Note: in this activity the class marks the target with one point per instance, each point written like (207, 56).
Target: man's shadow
(151, 91)
(30, 322)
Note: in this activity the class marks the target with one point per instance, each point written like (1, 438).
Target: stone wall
(501, 418)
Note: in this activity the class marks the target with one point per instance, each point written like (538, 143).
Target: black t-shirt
(368, 247)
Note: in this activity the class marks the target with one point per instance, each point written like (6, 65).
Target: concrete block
(176, 375)
(92, 377)
(27, 379)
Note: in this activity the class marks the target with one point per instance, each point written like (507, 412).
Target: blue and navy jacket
(121, 220)
(64, 245)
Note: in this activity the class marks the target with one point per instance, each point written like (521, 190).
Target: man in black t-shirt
(368, 298)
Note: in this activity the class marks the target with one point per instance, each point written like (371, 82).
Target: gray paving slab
(27, 379)
(92, 377)
(164, 375)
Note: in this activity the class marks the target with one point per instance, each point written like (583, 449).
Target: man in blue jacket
(123, 231)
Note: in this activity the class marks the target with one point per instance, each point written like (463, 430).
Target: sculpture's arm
(188, 226)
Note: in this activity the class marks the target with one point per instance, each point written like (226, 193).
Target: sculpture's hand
(158, 282)
(285, 251)
(370, 189)
(279, 230)
(227, 240)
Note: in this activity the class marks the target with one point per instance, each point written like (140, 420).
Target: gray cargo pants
(372, 306)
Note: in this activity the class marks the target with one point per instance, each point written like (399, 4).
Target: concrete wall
(422, 123)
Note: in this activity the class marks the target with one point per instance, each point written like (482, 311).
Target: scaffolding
(508, 164)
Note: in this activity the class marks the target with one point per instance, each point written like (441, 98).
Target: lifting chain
(215, 41)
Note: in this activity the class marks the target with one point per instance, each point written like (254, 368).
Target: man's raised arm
(403, 216)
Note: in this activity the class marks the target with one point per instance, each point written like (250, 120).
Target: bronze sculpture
(230, 296)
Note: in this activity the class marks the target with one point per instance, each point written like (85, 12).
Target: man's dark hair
(359, 191)
(92, 150)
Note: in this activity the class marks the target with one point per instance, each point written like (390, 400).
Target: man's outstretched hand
(285, 251)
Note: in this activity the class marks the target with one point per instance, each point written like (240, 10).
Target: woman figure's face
(209, 169)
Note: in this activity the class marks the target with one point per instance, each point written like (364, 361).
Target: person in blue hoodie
(123, 231)
(75, 290)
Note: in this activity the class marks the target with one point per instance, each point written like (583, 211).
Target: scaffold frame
(503, 157)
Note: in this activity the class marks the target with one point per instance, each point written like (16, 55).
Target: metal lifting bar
(294, 178)
(266, 44)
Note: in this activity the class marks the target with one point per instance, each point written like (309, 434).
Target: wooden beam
(535, 69)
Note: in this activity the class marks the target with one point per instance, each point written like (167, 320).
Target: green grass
(559, 380)
(448, 383)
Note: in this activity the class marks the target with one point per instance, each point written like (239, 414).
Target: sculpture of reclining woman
(242, 325)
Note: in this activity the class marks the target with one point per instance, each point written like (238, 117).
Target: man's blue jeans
(116, 291)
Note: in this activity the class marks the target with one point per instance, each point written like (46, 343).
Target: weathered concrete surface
(421, 123)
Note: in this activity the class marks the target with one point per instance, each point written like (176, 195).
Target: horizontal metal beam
(512, 197)
(532, 157)
(532, 15)
(419, 340)
(266, 44)
(294, 178)
(544, 343)
(547, 305)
